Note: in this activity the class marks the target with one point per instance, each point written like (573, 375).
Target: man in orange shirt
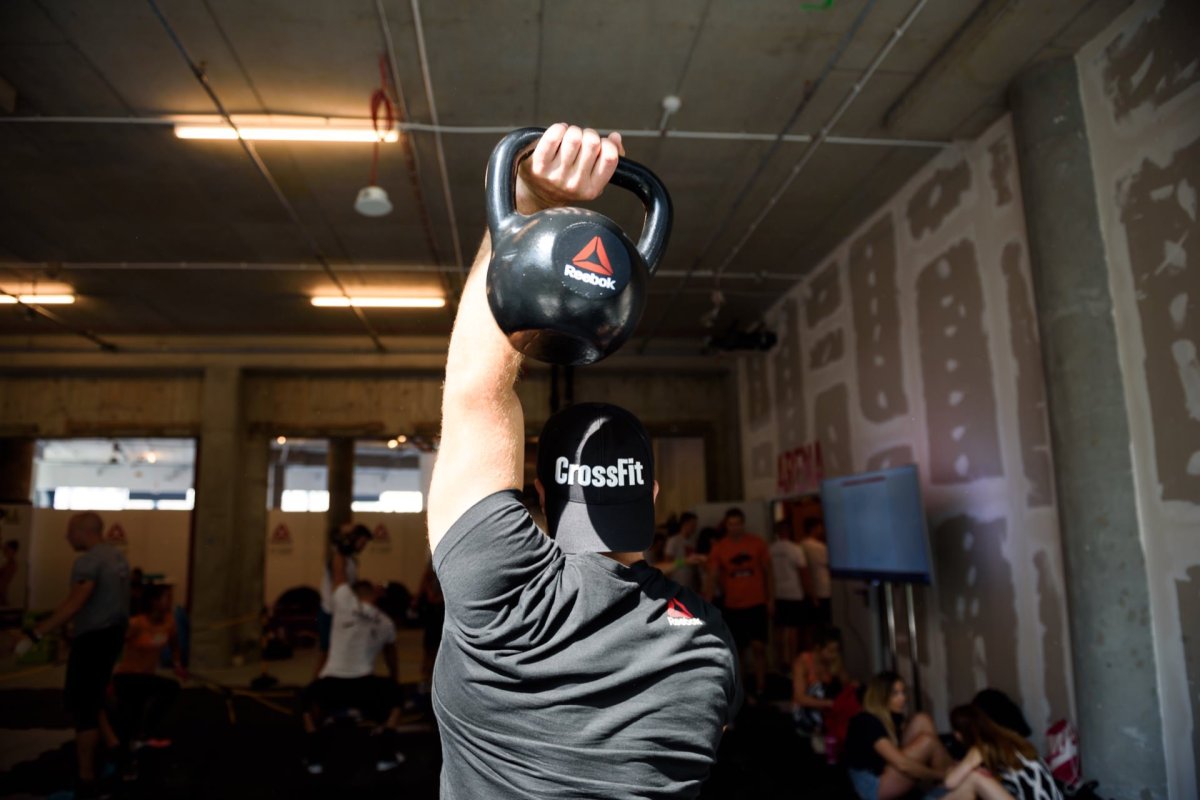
(740, 564)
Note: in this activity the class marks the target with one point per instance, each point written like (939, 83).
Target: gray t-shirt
(572, 676)
(108, 604)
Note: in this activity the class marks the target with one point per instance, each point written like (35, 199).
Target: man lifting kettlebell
(346, 543)
(568, 665)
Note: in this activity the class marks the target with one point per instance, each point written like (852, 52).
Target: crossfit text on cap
(596, 467)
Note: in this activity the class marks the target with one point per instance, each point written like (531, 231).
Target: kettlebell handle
(502, 187)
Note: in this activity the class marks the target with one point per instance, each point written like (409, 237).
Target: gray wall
(915, 341)
(1140, 85)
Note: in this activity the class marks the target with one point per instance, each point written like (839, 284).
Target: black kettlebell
(566, 285)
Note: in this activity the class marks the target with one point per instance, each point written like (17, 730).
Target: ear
(654, 499)
(541, 490)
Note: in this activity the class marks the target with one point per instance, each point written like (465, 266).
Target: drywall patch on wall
(873, 299)
(978, 606)
(1001, 172)
(1159, 210)
(1031, 386)
(786, 366)
(1153, 62)
(824, 295)
(832, 421)
(827, 350)
(891, 457)
(937, 198)
(960, 401)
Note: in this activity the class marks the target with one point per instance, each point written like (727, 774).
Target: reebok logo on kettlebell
(590, 261)
(594, 259)
(594, 249)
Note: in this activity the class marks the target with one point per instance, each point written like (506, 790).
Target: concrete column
(1120, 728)
(16, 469)
(340, 480)
(227, 547)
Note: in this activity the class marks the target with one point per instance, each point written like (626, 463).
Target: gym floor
(231, 742)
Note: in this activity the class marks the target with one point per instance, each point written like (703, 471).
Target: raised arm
(482, 447)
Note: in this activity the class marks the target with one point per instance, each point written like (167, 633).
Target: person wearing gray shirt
(569, 667)
(98, 604)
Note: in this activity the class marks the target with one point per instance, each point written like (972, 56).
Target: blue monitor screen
(875, 524)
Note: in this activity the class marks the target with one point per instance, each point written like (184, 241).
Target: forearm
(61, 616)
(337, 569)
(481, 364)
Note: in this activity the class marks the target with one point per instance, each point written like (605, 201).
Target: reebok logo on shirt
(678, 615)
(626, 472)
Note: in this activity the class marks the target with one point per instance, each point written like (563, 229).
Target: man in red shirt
(740, 564)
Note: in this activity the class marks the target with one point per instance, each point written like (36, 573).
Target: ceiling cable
(437, 137)
(810, 91)
(855, 90)
(251, 153)
(408, 145)
(103, 344)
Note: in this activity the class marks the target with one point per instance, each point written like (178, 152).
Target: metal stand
(889, 612)
(912, 646)
(892, 656)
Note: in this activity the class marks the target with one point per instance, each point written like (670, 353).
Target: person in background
(143, 696)
(1009, 757)
(348, 683)
(740, 565)
(889, 755)
(818, 677)
(8, 570)
(792, 585)
(1001, 709)
(137, 587)
(348, 541)
(679, 551)
(430, 605)
(820, 601)
(98, 605)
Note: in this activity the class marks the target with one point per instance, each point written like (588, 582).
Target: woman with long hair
(1002, 753)
(888, 754)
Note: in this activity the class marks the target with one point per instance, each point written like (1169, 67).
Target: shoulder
(500, 511)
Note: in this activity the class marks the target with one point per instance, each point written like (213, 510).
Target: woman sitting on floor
(887, 754)
(1003, 753)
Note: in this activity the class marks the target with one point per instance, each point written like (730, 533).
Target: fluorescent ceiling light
(379, 302)
(281, 128)
(38, 299)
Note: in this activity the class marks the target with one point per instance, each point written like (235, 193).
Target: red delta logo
(678, 615)
(380, 534)
(593, 258)
(281, 535)
(116, 535)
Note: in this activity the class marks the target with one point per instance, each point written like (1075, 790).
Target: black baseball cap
(596, 466)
